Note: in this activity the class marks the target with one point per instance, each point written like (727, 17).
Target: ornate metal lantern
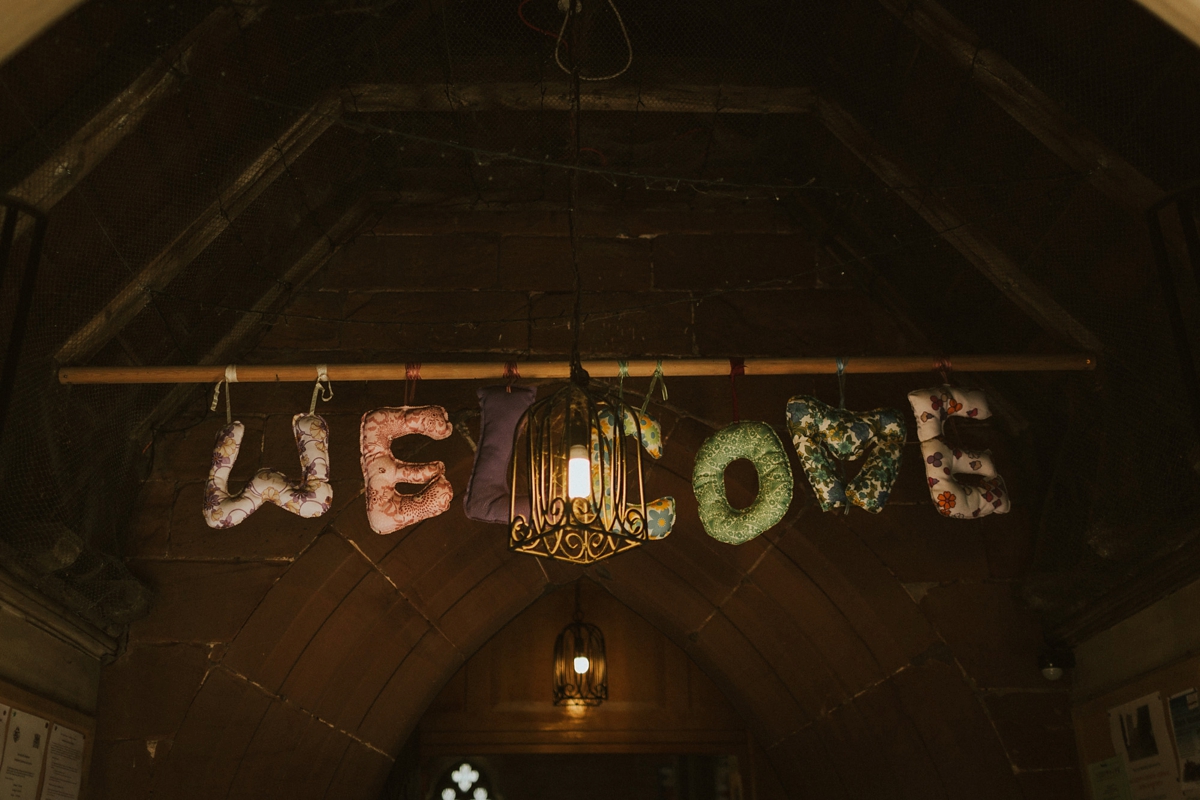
(576, 477)
(580, 667)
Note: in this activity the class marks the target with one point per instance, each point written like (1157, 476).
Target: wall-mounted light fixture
(1054, 660)
(580, 664)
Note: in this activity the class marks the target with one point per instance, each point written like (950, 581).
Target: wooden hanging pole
(504, 371)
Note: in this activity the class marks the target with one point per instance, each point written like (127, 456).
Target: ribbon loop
(230, 378)
(657, 380)
(944, 368)
(841, 375)
(412, 374)
(737, 366)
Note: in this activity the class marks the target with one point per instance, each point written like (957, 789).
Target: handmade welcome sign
(757, 443)
(932, 407)
(387, 509)
(310, 497)
(822, 434)
(660, 513)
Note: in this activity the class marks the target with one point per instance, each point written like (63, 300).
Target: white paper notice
(24, 752)
(3, 728)
(64, 771)
(1139, 734)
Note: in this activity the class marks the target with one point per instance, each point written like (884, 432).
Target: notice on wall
(3, 727)
(1139, 734)
(24, 752)
(64, 770)
(1185, 723)
(1109, 779)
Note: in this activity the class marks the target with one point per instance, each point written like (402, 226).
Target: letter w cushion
(311, 497)
(822, 434)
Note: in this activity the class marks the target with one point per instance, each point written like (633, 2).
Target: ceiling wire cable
(578, 374)
(569, 8)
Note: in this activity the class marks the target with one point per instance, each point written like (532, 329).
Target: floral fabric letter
(821, 433)
(660, 513)
(388, 510)
(942, 462)
(311, 497)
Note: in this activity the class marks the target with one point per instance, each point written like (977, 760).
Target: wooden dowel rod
(640, 368)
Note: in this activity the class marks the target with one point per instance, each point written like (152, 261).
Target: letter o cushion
(757, 443)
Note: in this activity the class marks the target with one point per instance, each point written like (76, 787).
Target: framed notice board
(46, 748)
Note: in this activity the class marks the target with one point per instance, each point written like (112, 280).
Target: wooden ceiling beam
(55, 177)
(211, 223)
(1182, 15)
(1061, 133)
(677, 98)
(309, 262)
(25, 20)
(964, 236)
(847, 253)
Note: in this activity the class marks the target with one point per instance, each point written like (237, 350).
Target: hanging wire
(578, 373)
(572, 7)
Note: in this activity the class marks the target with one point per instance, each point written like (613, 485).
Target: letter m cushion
(309, 497)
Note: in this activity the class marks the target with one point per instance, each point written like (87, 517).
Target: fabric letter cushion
(488, 495)
(951, 497)
(660, 513)
(388, 510)
(822, 433)
(311, 497)
(955, 499)
(757, 443)
(932, 406)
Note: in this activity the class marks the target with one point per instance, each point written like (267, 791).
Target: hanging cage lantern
(580, 666)
(577, 492)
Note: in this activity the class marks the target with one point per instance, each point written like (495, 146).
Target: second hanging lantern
(576, 477)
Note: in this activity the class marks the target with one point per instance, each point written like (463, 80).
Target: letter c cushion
(757, 443)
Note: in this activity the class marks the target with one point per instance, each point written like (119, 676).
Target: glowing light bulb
(579, 473)
(582, 664)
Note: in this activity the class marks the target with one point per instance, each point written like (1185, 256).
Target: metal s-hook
(321, 384)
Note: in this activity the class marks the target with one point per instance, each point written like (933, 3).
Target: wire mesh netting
(189, 155)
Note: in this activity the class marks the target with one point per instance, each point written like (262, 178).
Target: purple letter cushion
(487, 496)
